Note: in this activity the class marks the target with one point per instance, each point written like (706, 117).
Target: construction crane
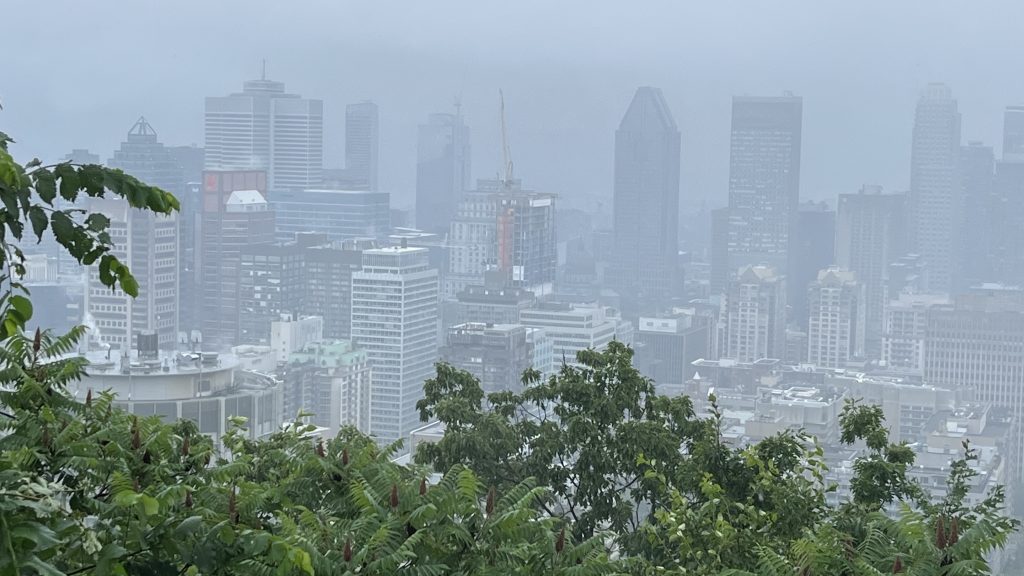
(506, 154)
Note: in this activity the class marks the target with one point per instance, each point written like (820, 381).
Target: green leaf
(97, 222)
(46, 185)
(64, 229)
(128, 283)
(41, 567)
(9, 169)
(188, 526)
(69, 182)
(150, 506)
(106, 265)
(39, 221)
(23, 306)
(10, 201)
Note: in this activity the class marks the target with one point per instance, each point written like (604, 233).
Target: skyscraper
(764, 181)
(1005, 224)
(146, 242)
(935, 198)
(497, 354)
(977, 175)
(266, 128)
(395, 319)
(442, 170)
(646, 203)
(234, 215)
(869, 237)
(362, 144)
(755, 315)
(1013, 133)
(813, 249)
(835, 332)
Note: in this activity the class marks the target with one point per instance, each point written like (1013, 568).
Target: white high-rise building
(835, 331)
(755, 315)
(935, 200)
(576, 327)
(395, 319)
(264, 127)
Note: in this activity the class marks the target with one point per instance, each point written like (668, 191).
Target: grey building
(1005, 226)
(493, 302)
(362, 145)
(977, 174)
(271, 282)
(146, 242)
(667, 347)
(235, 215)
(935, 199)
(341, 214)
(644, 266)
(764, 181)
(266, 128)
(328, 271)
(442, 170)
(329, 379)
(813, 249)
(870, 237)
(497, 354)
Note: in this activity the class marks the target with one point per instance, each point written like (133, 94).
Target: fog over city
(568, 70)
(674, 287)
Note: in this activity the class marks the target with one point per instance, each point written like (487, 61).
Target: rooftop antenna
(458, 106)
(506, 154)
(263, 73)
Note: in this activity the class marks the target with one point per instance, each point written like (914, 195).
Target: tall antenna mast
(263, 73)
(506, 154)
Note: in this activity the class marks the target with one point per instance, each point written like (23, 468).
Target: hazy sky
(77, 74)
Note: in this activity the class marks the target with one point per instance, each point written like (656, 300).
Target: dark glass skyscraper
(764, 182)
(362, 143)
(442, 170)
(646, 219)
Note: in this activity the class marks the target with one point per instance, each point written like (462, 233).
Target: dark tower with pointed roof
(645, 270)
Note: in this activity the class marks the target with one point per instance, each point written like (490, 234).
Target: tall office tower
(1013, 133)
(935, 187)
(666, 348)
(329, 379)
(755, 315)
(813, 250)
(721, 228)
(869, 237)
(977, 173)
(266, 128)
(835, 333)
(442, 170)
(1006, 223)
(505, 228)
(146, 242)
(497, 354)
(362, 143)
(644, 267)
(234, 216)
(764, 182)
(271, 282)
(329, 270)
(977, 345)
(341, 214)
(394, 318)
